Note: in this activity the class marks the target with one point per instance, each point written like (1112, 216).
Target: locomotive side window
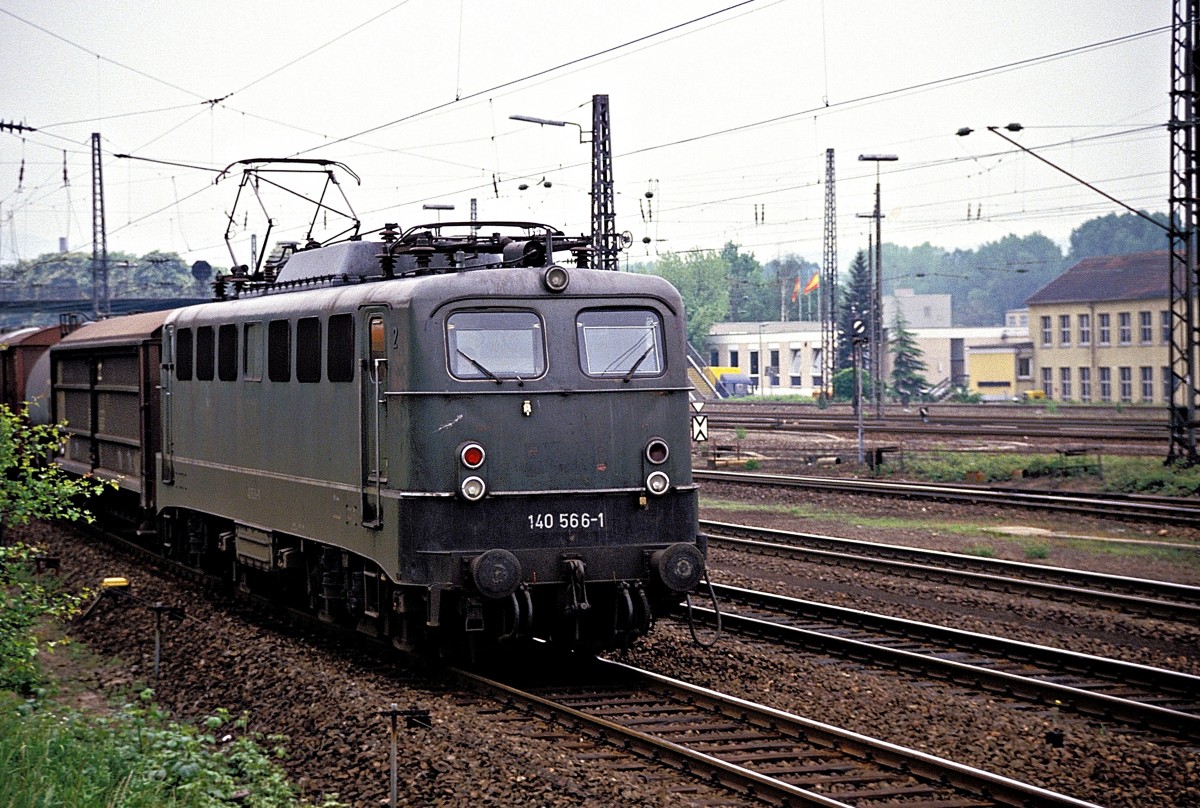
(279, 351)
(308, 349)
(339, 360)
(227, 353)
(183, 354)
(252, 334)
(205, 343)
(621, 343)
(495, 345)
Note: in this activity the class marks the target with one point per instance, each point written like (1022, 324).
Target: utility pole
(828, 289)
(1185, 196)
(99, 236)
(604, 216)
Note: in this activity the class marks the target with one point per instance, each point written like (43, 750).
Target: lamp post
(876, 337)
(439, 209)
(604, 235)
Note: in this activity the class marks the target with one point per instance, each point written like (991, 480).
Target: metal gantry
(604, 216)
(1185, 114)
(100, 299)
(828, 293)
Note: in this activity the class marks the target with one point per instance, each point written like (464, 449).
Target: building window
(1106, 384)
(1146, 327)
(1024, 367)
(1164, 320)
(1048, 382)
(1105, 335)
(1124, 328)
(1064, 383)
(1085, 329)
(773, 369)
(734, 360)
(1045, 332)
(754, 363)
(1085, 385)
(1168, 384)
(1064, 330)
(1126, 384)
(1147, 383)
(714, 357)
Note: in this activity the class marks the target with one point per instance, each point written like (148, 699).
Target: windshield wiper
(637, 364)
(479, 367)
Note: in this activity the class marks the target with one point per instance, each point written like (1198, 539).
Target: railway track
(1161, 599)
(953, 427)
(1164, 701)
(756, 751)
(1164, 510)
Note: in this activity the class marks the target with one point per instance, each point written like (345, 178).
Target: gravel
(327, 695)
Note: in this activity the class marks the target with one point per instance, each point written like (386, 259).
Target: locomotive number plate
(566, 521)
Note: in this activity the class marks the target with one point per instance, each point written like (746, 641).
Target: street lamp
(439, 208)
(876, 337)
(605, 240)
(551, 122)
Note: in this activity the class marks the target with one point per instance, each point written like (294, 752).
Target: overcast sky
(722, 110)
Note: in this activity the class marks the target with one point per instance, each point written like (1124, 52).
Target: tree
(856, 304)
(751, 297)
(31, 485)
(702, 279)
(1117, 235)
(30, 488)
(908, 366)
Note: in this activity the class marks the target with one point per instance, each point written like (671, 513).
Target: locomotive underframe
(592, 596)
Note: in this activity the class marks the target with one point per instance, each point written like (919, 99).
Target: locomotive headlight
(657, 451)
(472, 455)
(473, 489)
(657, 483)
(555, 278)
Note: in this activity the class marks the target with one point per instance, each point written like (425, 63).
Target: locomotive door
(373, 411)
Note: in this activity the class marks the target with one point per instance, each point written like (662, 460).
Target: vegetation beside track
(54, 754)
(1111, 474)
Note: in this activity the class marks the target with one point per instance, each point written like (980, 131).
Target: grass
(985, 534)
(848, 517)
(51, 755)
(1146, 475)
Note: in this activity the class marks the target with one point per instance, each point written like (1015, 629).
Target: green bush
(135, 758)
(26, 602)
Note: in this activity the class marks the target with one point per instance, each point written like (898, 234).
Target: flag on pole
(813, 283)
(796, 290)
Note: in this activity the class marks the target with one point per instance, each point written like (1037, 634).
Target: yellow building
(1101, 331)
(1001, 371)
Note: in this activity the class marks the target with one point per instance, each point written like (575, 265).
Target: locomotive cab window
(252, 342)
(620, 343)
(495, 345)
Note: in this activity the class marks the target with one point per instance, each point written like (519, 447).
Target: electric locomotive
(443, 436)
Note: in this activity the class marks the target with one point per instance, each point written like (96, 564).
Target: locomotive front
(533, 431)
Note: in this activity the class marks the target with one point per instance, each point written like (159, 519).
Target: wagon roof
(128, 329)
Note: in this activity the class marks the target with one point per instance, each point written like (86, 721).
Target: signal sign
(699, 428)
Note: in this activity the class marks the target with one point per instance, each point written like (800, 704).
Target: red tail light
(472, 455)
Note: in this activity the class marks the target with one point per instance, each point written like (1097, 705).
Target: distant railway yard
(877, 645)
